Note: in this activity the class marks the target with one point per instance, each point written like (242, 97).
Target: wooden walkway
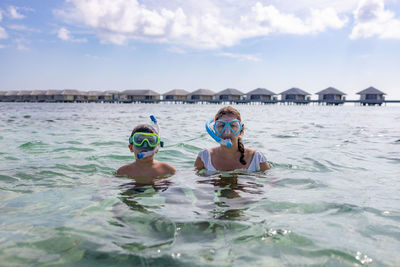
(227, 101)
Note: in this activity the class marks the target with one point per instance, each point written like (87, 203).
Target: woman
(230, 155)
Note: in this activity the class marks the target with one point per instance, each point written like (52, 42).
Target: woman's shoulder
(256, 155)
(207, 151)
(250, 151)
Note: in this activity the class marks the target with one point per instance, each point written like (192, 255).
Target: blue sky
(164, 45)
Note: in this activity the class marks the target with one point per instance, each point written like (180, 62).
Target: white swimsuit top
(254, 165)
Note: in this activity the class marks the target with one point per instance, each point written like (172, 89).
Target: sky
(191, 44)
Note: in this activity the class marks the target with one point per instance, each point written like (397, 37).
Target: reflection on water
(133, 190)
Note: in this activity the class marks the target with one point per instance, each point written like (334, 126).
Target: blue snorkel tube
(225, 142)
(149, 153)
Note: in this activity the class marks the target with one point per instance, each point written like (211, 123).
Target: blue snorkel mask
(216, 135)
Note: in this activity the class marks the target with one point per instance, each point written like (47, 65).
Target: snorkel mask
(147, 141)
(220, 127)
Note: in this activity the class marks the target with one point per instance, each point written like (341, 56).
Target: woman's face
(228, 133)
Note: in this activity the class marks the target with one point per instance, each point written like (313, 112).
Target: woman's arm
(264, 166)
(199, 164)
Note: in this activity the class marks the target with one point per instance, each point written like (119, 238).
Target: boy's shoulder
(166, 167)
(125, 170)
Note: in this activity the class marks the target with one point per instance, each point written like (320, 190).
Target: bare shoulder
(249, 151)
(124, 170)
(214, 150)
(166, 167)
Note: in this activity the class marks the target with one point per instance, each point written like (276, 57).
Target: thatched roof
(94, 93)
(206, 92)
(11, 93)
(330, 91)
(70, 92)
(38, 92)
(24, 93)
(294, 91)
(141, 92)
(53, 92)
(110, 92)
(261, 91)
(371, 91)
(230, 91)
(177, 92)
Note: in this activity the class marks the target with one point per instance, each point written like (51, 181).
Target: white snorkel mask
(222, 127)
(150, 140)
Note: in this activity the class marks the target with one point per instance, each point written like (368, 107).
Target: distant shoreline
(244, 101)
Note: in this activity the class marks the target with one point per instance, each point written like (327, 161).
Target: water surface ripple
(331, 197)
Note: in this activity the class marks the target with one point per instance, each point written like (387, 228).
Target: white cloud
(340, 6)
(270, 18)
(177, 50)
(21, 27)
(2, 46)
(93, 56)
(65, 35)
(22, 44)
(205, 25)
(241, 57)
(13, 13)
(3, 33)
(372, 19)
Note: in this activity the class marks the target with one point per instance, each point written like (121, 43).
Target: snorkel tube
(146, 154)
(225, 142)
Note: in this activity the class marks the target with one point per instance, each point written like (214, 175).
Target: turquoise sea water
(331, 197)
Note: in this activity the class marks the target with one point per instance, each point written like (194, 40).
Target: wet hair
(144, 128)
(228, 110)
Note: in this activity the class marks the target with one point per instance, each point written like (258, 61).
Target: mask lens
(235, 126)
(152, 140)
(219, 126)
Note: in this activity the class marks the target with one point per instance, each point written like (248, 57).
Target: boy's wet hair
(144, 128)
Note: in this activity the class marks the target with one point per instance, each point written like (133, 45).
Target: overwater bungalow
(371, 96)
(23, 96)
(70, 95)
(94, 96)
(38, 96)
(176, 94)
(2, 96)
(202, 94)
(229, 94)
(110, 96)
(10, 96)
(54, 96)
(261, 94)
(295, 95)
(331, 96)
(144, 95)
